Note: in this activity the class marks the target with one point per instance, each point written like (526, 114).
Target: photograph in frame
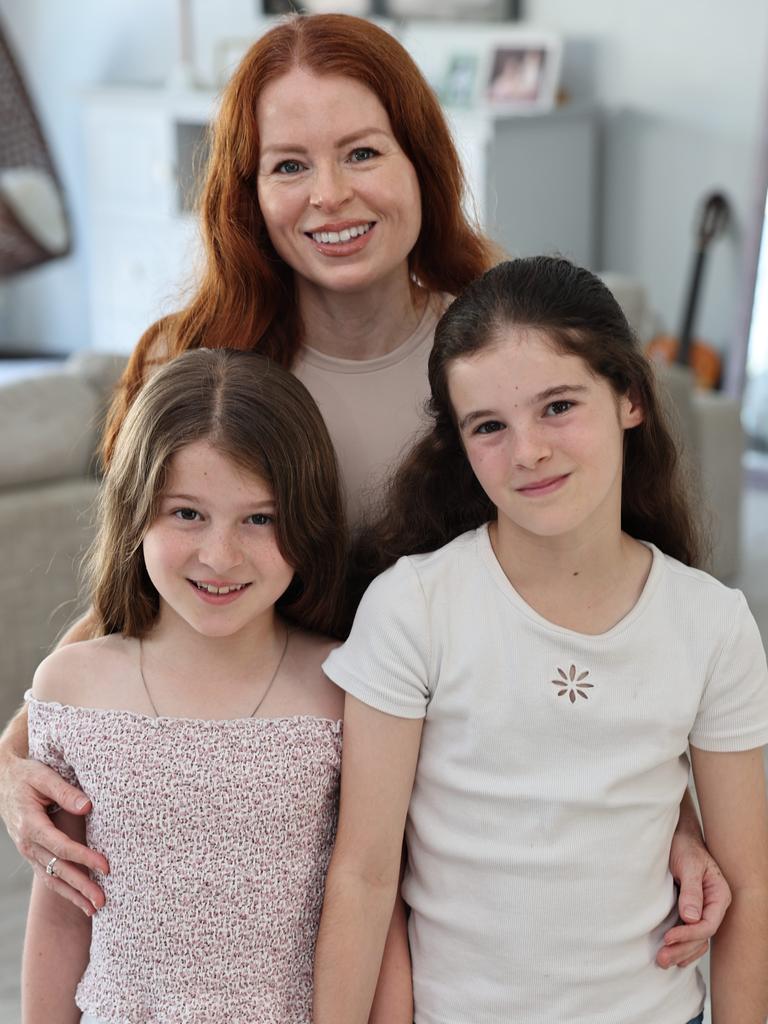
(522, 73)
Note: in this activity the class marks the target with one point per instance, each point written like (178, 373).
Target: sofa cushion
(48, 428)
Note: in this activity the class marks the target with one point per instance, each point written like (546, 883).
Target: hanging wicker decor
(33, 221)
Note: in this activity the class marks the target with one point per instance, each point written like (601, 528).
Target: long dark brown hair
(435, 496)
(264, 420)
(246, 297)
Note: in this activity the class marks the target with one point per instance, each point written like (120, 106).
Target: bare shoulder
(311, 690)
(80, 673)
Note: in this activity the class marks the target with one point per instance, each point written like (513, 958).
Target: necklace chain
(263, 697)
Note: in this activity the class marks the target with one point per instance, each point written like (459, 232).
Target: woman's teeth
(211, 589)
(331, 237)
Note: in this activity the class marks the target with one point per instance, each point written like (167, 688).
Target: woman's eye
(558, 408)
(188, 515)
(289, 167)
(363, 153)
(489, 427)
(260, 519)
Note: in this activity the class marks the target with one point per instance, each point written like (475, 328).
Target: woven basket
(21, 145)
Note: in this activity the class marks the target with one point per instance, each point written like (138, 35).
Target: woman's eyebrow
(345, 140)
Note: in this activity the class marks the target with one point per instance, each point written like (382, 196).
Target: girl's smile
(542, 487)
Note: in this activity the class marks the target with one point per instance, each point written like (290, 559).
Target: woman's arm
(704, 894)
(28, 789)
(378, 767)
(732, 796)
(56, 949)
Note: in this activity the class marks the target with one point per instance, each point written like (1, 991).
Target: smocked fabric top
(218, 835)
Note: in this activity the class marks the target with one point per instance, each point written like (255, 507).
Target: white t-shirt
(551, 769)
(373, 408)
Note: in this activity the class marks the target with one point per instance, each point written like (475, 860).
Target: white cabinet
(142, 239)
(532, 177)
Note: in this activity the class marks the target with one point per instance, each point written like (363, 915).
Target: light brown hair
(265, 421)
(246, 297)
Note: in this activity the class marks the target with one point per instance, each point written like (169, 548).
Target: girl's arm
(56, 948)
(704, 893)
(28, 788)
(393, 1001)
(732, 796)
(377, 771)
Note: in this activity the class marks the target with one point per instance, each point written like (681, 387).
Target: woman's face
(340, 199)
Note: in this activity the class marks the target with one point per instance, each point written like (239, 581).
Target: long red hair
(245, 298)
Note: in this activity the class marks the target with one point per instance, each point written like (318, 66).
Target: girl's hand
(27, 790)
(702, 903)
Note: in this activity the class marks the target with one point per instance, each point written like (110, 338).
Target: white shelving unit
(532, 177)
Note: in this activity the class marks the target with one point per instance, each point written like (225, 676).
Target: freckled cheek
(488, 465)
(165, 550)
(273, 564)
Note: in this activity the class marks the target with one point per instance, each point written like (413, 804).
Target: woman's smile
(344, 239)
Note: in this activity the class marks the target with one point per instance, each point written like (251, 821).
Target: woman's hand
(703, 900)
(28, 790)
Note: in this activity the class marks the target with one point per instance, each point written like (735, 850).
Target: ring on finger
(50, 866)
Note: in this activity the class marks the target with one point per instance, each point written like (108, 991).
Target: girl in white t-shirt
(525, 692)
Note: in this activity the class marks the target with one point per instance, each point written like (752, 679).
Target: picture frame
(459, 83)
(521, 72)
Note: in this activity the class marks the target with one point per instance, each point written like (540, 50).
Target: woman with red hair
(335, 236)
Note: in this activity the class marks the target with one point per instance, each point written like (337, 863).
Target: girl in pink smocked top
(199, 722)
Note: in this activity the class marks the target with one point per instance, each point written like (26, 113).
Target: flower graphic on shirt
(571, 683)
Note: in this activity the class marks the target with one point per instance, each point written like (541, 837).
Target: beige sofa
(49, 430)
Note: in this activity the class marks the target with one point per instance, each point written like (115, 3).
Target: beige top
(373, 408)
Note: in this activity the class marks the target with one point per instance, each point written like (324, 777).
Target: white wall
(683, 86)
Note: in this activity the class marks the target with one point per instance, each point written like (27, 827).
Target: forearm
(393, 1001)
(56, 949)
(738, 975)
(350, 946)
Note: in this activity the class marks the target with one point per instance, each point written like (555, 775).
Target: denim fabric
(697, 1020)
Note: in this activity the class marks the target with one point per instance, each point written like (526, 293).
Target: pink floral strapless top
(218, 835)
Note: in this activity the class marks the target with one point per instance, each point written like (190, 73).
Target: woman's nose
(330, 188)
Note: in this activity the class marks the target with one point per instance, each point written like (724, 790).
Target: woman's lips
(354, 245)
(542, 487)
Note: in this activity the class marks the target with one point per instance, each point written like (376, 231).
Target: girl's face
(212, 551)
(543, 435)
(339, 197)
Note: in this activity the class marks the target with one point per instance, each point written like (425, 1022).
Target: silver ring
(50, 866)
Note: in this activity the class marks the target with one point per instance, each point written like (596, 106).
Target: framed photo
(522, 72)
(458, 87)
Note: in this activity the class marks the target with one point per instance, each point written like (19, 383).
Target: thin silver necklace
(263, 697)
